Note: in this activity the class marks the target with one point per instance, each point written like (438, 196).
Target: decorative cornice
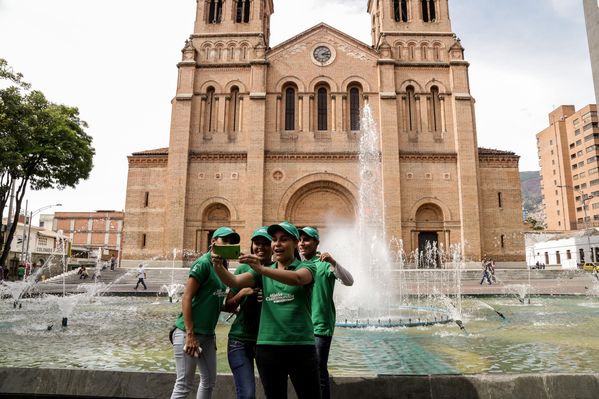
(226, 35)
(305, 156)
(498, 161)
(440, 157)
(148, 161)
(226, 65)
(218, 157)
(420, 64)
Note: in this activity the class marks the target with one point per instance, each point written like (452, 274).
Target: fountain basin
(552, 335)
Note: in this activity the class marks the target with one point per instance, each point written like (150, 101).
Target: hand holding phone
(227, 251)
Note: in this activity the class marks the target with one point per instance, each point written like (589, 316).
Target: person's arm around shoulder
(300, 276)
(340, 272)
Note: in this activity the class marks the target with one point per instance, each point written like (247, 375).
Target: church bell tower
(390, 17)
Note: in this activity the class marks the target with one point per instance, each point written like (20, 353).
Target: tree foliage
(43, 145)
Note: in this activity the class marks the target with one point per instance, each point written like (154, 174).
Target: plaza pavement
(508, 281)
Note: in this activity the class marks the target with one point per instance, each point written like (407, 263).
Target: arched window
(411, 108)
(435, 109)
(411, 51)
(423, 52)
(242, 11)
(400, 10)
(354, 108)
(429, 12)
(209, 117)
(322, 109)
(290, 108)
(436, 52)
(243, 52)
(234, 110)
(215, 11)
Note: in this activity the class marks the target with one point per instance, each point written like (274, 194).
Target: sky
(116, 61)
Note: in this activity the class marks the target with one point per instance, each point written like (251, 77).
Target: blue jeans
(485, 276)
(323, 346)
(241, 357)
(186, 366)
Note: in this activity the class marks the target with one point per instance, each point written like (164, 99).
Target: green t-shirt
(286, 317)
(20, 271)
(241, 329)
(206, 304)
(323, 307)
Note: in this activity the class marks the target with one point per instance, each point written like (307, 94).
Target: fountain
(382, 295)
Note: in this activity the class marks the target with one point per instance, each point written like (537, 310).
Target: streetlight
(31, 214)
(583, 199)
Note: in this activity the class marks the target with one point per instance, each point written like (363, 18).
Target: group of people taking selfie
(282, 295)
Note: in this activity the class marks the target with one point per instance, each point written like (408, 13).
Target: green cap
(261, 232)
(310, 232)
(227, 232)
(286, 227)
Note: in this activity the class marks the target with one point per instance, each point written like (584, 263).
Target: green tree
(42, 145)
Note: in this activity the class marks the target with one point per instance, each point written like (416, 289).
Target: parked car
(591, 266)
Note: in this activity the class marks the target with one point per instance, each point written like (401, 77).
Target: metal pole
(10, 208)
(27, 256)
(24, 231)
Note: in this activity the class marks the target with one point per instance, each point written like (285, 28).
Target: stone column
(178, 157)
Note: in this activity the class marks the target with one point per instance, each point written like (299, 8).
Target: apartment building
(569, 159)
(99, 231)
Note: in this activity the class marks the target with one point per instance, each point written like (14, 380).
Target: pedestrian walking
(141, 275)
(486, 274)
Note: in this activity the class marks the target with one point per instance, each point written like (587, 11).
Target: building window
(429, 12)
(322, 109)
(234, 110)
(209, 117)
(581, 254)
(546, 258)
(436, 109)
(215, 11)
(500, 200)
(242, 13)
(411, 111)
(290, 108)
(143, 241)
(400, 10)
(354, 108)
(146, 199)
(502, 241)
(558, 258)
(568, 254)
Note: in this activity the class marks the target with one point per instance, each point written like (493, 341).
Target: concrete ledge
(45, 383)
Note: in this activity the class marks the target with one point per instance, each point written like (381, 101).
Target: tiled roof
(158, 151)
(492, 151)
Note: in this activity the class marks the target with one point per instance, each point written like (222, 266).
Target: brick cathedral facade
(261, 134)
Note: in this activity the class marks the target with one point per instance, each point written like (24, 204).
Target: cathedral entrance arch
(322, 204)
(429, 226)
(213, 217)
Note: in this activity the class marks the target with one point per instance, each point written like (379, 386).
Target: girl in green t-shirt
(194, 341)
(285, 345)
(246, 303)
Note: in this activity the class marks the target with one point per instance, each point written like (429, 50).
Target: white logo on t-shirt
(280, 298)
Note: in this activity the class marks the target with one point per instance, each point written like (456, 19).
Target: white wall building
(562, 249)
